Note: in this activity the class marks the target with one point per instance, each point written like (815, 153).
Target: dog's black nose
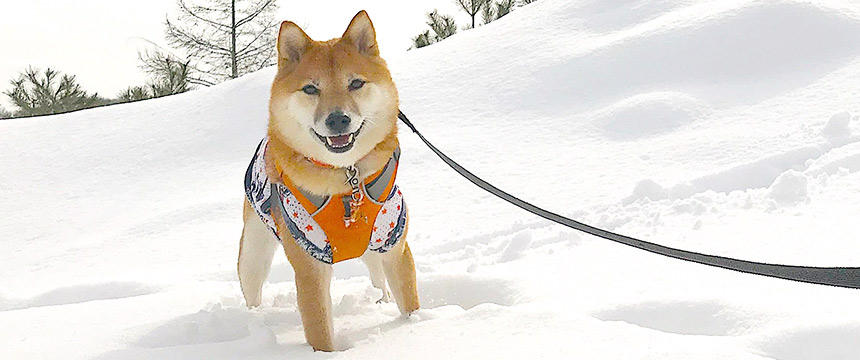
(337, 122)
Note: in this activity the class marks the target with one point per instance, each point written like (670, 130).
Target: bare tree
(526, 2)
(224, 38)
(42, 93)
(472, 7)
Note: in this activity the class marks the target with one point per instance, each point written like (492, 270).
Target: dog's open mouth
(340, 143)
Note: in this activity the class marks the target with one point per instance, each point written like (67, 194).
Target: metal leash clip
(352, 203)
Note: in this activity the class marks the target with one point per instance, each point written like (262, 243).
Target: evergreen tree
(504, 7)
(442, 25)
(224, 38)
(42, 93)
(168, 74)
(4, 114)
(134, 93)
(488, 13)
(422, 40)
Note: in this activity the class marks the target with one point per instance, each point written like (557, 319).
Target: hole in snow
(687, 318)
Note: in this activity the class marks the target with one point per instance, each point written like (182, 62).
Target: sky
(98, 40)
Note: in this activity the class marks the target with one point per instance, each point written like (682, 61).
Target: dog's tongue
(339, 141)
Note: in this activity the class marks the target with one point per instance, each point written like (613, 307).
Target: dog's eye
(357, 84)
(311, 90)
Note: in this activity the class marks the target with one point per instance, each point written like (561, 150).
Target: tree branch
(186, 38)
(255, 13)
(191, 13)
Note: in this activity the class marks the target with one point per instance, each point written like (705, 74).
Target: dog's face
(333, 101)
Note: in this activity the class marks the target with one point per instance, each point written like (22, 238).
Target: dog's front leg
(400, 271)
(313, 284)
(256, 250)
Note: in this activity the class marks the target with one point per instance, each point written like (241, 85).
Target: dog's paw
(386, 297)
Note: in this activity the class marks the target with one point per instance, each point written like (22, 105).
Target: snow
(790, 187)
(728, 127)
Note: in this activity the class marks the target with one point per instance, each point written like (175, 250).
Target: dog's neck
(284, 162)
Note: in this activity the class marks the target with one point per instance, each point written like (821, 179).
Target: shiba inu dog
(322, 181)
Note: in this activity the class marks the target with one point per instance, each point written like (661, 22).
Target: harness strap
(846, 277)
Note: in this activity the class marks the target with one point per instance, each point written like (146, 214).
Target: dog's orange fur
(330, 65)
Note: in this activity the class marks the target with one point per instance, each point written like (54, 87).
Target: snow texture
(728, 127)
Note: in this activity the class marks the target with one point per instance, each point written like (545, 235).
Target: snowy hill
(729, 127)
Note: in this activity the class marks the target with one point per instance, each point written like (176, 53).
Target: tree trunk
(473, 20)
(234, 64)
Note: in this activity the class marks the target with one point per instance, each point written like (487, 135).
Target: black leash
(847, 277)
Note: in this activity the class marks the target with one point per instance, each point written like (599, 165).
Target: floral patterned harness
(321, 225)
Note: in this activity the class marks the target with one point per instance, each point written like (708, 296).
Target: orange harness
(338, 227)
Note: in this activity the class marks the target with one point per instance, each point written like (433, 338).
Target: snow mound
(614, 15)
(649, 114)
(838, 130)
(465, 291)
(759, 50)
(790, 188)
(846, 157)
(647, 189)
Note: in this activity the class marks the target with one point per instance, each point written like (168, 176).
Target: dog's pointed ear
(292, 43)
(361, 34)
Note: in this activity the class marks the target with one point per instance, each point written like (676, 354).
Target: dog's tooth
(328, 140)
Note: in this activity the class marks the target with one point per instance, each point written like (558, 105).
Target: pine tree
(224, 38)
(135, 93)
(422, 40)
(42, 93)
(442, 25)
(504, 7)
(168, 75)
(4, 114)
(488, 13)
